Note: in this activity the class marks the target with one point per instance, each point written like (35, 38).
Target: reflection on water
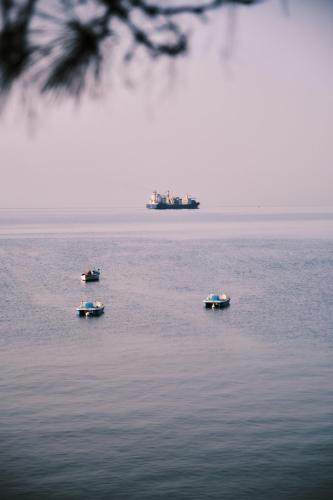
(203, 223)
(160, 398)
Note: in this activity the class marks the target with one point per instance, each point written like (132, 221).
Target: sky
(243, 120)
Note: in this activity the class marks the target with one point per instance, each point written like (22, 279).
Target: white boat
(215, 300)
(91, 275)
(90, 309)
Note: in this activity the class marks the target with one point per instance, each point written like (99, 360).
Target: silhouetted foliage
(59, 45)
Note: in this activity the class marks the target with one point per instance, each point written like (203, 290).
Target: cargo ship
(159, 202)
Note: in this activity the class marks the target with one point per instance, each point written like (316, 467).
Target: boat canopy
(88, 305)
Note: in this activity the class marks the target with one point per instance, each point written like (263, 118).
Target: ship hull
(176, 206)
(211, 304)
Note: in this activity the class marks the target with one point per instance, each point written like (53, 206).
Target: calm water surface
(159, 398)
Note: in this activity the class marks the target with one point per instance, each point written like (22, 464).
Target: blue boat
(88, 309)
(215, 300)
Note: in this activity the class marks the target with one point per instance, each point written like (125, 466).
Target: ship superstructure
(162, 202)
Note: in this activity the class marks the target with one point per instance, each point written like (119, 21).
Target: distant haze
(246, 120)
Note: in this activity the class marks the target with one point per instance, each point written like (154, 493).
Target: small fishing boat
(215, 300)
(91, 275)
(90, 309)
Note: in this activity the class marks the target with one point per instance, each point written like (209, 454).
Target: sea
(159, 398)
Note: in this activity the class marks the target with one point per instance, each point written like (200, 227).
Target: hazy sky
(249, 127)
